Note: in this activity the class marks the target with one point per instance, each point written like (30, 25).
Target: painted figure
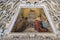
(38, 25)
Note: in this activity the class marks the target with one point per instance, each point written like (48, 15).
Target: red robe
(39, 27)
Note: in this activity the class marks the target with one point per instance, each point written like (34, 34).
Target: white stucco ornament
(32, 5)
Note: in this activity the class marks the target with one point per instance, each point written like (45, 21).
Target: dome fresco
(32, 15)
(40, 16)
